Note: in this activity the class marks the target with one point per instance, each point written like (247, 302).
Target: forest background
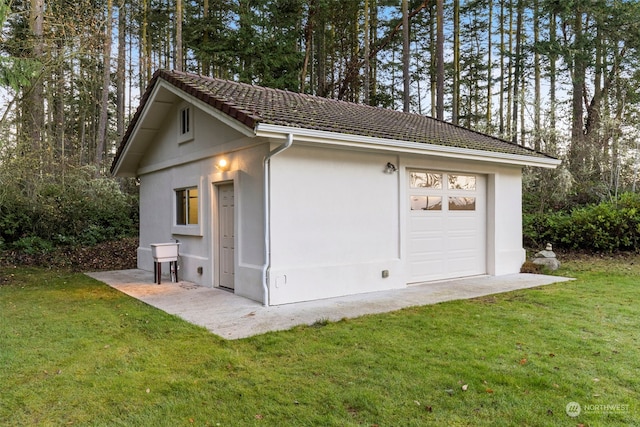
(558, 76)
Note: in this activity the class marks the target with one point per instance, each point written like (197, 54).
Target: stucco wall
(169, 165)
(506, 253)
(334, 224)
(338, 221)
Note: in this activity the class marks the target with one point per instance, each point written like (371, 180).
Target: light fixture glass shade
(222, 165)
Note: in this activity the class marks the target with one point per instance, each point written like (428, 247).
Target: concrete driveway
(233, 317)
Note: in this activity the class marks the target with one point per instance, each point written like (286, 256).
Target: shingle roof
(252, 105)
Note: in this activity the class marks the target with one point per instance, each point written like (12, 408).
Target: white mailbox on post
(165, 252)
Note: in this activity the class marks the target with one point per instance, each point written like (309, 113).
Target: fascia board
(357, 141)
(134, 134)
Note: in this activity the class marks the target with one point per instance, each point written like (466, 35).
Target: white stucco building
(284, 197)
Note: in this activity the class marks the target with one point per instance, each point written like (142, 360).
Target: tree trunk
(440, 60)
(405, 57)
(433, 87)
(179, 59)
(552, 146)
(367, 51)
(59, 102)
(503, 71)
(373, 40)
(308, 44)
(537, 77)
(320, 78)
(206, 61)
(509, 73)
(577, 148)
(34, 113)
(517, 71)
(455, 97)
(145, 44)
(120, 69)
(106, 83)
(489, 113)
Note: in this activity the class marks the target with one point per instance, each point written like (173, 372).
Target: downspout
(267, 217)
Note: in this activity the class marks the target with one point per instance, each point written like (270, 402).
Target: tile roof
(252, 105)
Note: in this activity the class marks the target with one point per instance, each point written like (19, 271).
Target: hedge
(36, 216)
(605, 227)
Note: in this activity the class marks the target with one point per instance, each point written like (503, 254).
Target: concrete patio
(233, 317)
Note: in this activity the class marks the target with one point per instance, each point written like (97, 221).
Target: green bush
(33, 245)
(605, 227)
(74, 209)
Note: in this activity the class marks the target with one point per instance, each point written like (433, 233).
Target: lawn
(76, 352)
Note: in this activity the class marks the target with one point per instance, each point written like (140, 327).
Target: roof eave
(241, 124)
(359, 141)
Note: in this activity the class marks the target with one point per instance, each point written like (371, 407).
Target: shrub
(74, 209)
(530, 267)
(604, 227)
(33, 245)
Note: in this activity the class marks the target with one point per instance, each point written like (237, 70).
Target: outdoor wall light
(222, 165)
(390, 168)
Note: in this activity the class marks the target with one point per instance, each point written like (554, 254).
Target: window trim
(183, 208)
(187, 229)
(185, 136)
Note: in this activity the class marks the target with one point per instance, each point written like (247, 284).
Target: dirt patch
(114, 255)
(5, 278)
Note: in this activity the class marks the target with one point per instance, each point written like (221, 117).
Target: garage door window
(430, 191)
(462, 203)
(462, 182)
(425, 180)
(426, 203)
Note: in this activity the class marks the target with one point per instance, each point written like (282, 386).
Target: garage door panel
(463, 256)
(432, 268)
(462, 234)
(427, 223)
(427, 244)
(467, 223)
(425, 247)
(459, 245)
(450, 242)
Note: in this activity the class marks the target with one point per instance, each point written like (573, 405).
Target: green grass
(76, 352)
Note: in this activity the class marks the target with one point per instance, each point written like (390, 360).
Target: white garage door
(447, 225)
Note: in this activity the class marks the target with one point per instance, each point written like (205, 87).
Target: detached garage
(284, 197)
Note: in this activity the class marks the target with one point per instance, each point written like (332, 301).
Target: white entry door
(226, 260)
(447, 216)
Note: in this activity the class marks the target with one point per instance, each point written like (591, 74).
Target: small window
(462, 182)
(185, 124)
(426, 203)
(187, 206)
(462, 203)
(425, 180)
